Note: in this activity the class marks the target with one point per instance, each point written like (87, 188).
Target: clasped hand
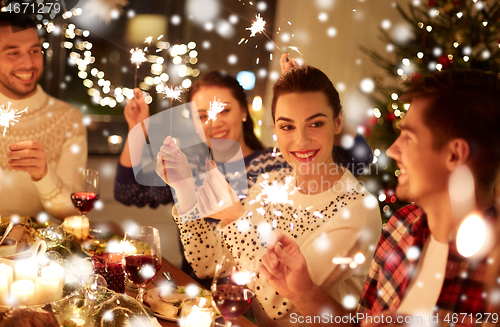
(28, 156)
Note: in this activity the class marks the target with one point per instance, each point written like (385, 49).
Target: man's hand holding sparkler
(173, 168)
(216, 198)
(28, 156)
(287, 63)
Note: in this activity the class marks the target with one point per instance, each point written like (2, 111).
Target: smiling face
(305, 127)
(229, 122)
(424, 176)
(21, 62)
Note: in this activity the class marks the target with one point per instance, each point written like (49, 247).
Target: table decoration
(22, 293)
(77, 227)
(197, 313)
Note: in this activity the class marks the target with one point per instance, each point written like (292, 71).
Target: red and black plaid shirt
(463, 290)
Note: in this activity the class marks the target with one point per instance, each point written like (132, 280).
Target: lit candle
(56, 272)
(23, 292)
(77, 226)
(26, 269)
(199, 317)
(8, 272)
(4, 290)
(46, 290)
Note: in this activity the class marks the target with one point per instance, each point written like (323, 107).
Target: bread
(29, 317)
(165, 309)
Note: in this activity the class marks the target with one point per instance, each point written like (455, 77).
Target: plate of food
(166, 303)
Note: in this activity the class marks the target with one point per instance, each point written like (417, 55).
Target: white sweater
(339, 222)
(58, 126)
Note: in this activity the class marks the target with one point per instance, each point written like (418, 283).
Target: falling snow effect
(8, 116)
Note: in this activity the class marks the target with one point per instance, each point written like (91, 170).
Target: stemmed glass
(85, 191)
(141, 267)
(233, 287)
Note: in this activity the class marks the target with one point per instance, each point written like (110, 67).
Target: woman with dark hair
(323, 207)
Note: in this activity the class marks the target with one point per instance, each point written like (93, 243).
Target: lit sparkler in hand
(276, 192)
(258, 26)
(215, 107)
(8, 116)
(172, 93)
(137, 58)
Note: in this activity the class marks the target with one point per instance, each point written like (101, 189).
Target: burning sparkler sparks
(275, 193)
(8, 116)
(173, 93)
(215, 107)
(137, 58)
(258, 26)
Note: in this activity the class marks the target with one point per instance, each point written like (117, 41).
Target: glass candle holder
(109, 266)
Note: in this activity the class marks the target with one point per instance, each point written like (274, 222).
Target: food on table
(163, 300)
(23, 234)
(33, 317)
(165, 309)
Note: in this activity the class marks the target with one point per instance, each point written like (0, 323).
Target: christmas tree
(442, 35)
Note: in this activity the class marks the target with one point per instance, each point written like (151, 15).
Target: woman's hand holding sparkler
(173, 168)
(287, 63)
(216, 198)
(136, 110)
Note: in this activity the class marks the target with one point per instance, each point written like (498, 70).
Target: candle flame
(257, 26)
(173, 93)
(138, 57)
(215, 107)
(8, 116)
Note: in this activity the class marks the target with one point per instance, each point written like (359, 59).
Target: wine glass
(233, 287)
(85, 191)
(140, 265)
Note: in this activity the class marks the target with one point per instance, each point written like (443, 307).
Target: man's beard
(20, 92)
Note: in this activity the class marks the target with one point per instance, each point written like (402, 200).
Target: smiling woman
(321, 205)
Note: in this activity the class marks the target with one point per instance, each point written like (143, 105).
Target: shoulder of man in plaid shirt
(394, 262)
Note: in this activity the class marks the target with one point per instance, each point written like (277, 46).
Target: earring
(245, 119)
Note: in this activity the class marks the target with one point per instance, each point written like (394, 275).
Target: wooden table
(179, 277)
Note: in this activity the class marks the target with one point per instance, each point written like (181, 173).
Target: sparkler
(258, 26)
(137, 58)
(172, 94)
(8, 116)
(215, 107)
(275, 193)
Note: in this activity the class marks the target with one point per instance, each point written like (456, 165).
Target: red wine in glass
(232, 300)
(141, 269)
(142, 266)
(84, 201)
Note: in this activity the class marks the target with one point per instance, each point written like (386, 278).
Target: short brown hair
(464, 104)
(303, 79)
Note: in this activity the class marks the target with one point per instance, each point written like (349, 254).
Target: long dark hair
(216, 78)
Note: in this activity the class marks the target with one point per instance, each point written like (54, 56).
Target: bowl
(8, 247)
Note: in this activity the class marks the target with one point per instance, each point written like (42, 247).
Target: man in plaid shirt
(448, 148)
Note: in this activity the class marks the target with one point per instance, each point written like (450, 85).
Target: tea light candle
(56, 272)
(77, 226)
(8, 272)
(23, 292)
(4, 290)
(46, 290)
(26, 269)
(128, 248)
(199, 317)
